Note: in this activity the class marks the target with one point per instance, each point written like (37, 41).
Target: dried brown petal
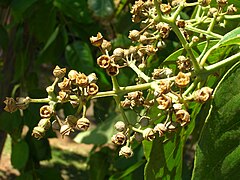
(63, 96)
(164, 102)
(182, 117)
(182, 80)
(165, 8)
(46, 111)
(112, 70)
(82, 80)
(119, 138)
(92, 89)
(65, 84)
(83, 124)
(72, 75)
(59, 72)
(38, 132)
(97, 41)
(106, 45)
(126, 152)
(10, 105)
(103, 61)
(203, 94)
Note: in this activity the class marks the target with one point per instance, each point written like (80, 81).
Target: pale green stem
(137, 130)
(209, 33)
(191, 87)
(225, 62)
(204, 51)
(231, 17)
(43, 100)
(140, 74)
(204, 58)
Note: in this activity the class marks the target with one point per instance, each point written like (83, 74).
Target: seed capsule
(119, 138)
(83, 124)
(182, 117)
(98, 40)
(46, 111)
(182, 80)
(59, 72)
(10, 105)
(38, 132)
(120, 126)
(126, 152)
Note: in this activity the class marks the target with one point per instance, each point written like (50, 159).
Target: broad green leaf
(10, 122)
(165, 160)
(20, 6)
(101, 8)
(78, 56)
(3, 37)
(77, 10)
(20, 154)
(128, 171)
(233, 37)
(217, 154)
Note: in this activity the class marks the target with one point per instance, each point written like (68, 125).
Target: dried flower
(120, 126)
(92, 89)
(126, 152)
(181, 23)
(164, 29)
(106, 45)
(203, 94)
(222, 3)
(160, 128)
(164, 102)
(182, 80)
(182, 117)
(92, 78)
(149, 134)
(97, 41)
(10, 105)
(65, 130)
(118, 54)
(82, 80)
(204, 3)
(22, 103)
(112, 70)
(59, 72)
(63, 96)
(161, 73)
(212, 12)
(119, 138)
(172, 126)
(46, 111)
(103, 61)
(126, 103)
(165, 8)
(134, 35)
(65, 84)
(72, 75)
(83, 124)
(162, 88)
(184, 63)
(38, 132)
(231, 9)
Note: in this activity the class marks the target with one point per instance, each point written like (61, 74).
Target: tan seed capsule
(164, 102)
(120, 126)
(46, 111)
(10, 105)
(92, 89)
(65, 130)
(38, 132)
(83, 124)
(134, 35)
(165, 8)
(82, 80)
(182, 80)
(112, 70)
(72, 75)
(149, 134)
(106, 45)
(103, 61)
(126, 152)
(203, 94)
(97, 41)
(65, 84)
(160, 128)
(182, 117)
(59, 72)
(119, 138)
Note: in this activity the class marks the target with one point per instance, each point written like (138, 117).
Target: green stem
(209, 33)
(204, 58)
(43, 100)
(137, 130)
(231, 17)
(132, 65)
(225, 62)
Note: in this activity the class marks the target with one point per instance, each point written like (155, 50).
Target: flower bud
(83, 124)
(45, 123)
(134, 35)
(97, 41)
(82, 80)
(160, 128)
(144, 121)
(38, 132)
(119, 138)
(120, 126)
(126, 152)
(46, 111)
(71, 120)
(149, 134)
(118, 54)
(182, 117)
(182, 80)
(10, 105)
(92, 89)
(195, 39)
(138, 137)
(65, 130)
(203, 94)
(59, 72)
(103, 61)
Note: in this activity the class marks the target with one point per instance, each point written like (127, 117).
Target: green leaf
(165, 160)
(20, 6)
(128, 171)
(101, 8)
(217, 154)
(10, 122)
(75, 9)
(20, 154)
(233, 37)
(3, 37)
(78, 56)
